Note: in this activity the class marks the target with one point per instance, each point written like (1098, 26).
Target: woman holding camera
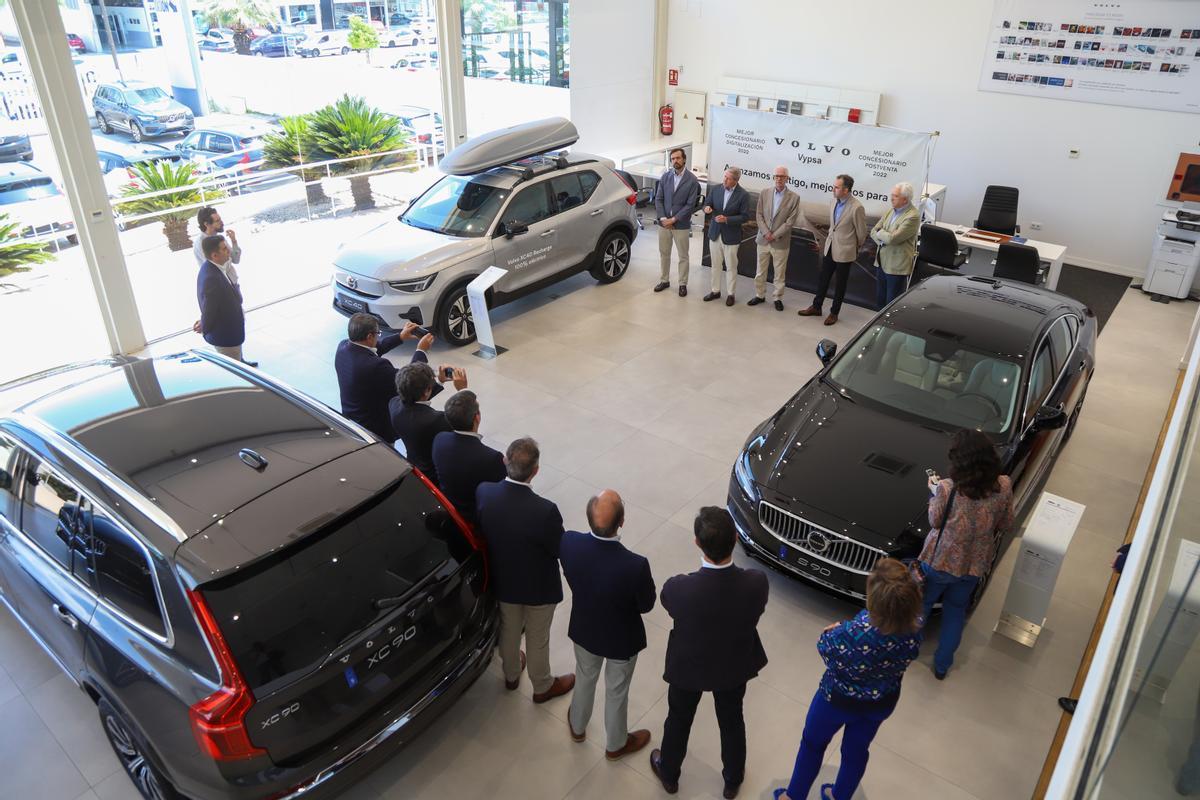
(865, 659)
(968, 512)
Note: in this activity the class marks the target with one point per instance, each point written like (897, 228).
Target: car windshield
(931, 377)
(456, 206)
(146, 95)
(18, 191)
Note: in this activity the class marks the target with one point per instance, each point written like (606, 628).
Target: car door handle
(550, 232)
(1082, 366)
(64, 616)
(597, 211)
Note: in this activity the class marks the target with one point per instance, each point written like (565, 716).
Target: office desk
(1052, 253)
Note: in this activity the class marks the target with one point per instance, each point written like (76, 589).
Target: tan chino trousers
(723, 255)
(534, 622)
(667, 236)
(767, 254)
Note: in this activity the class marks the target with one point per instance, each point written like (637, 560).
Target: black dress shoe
(656, 768)
(250, 363)
(662, 285)
(731, 790)
(729, 300)
(683, 290)
(1068, 704)
(712, 296)
(755, 301)
(937, 673)
(779, 305)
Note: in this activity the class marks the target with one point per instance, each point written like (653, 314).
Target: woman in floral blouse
(865, 659)
(968, 513)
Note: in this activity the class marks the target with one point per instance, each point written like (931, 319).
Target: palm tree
(350, 128)
(294, 146)
(161, 175)
(244, 13)
(16, 256)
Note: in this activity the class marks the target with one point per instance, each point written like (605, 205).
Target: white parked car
(512, 198)
(324, 43)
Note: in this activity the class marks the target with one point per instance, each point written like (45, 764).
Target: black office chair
(937, 246)
(998, 211)
(1018, 262)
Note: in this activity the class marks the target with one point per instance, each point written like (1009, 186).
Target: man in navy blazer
(675, 198)
(523, 533)
(729, 205)
(415, 422)
(611, 587)
(367, 380)
(713, 647)
(221, 323)
(461, 459)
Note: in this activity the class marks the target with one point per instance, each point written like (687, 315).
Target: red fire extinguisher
(666, 120)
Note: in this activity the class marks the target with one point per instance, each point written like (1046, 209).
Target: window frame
(1030, 414)
(148, 560)
(516, 192)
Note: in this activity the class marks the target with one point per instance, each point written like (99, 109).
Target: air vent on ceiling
(885, 463)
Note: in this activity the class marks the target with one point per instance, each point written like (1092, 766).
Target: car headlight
(414, 285)
(745, 478)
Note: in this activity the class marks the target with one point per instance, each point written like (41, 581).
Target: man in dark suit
(221, 323)
(413, 419)
(729, 205)
(461, 459)
(523, 533)
(367, 380)
(713, 647)
(675, 197)
(611, 587)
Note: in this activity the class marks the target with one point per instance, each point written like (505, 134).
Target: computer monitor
(1185, 181)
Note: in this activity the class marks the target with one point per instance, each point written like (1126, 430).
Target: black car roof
(172, 428)
(986, 314)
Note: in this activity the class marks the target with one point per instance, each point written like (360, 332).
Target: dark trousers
(681, 710)
(888, 287)
(828, 268)
(823, 721)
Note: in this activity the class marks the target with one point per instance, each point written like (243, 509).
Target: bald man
(611, 588)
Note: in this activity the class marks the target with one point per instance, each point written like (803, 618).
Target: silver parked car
(513, 199)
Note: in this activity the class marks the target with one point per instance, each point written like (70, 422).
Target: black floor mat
(1100, 291)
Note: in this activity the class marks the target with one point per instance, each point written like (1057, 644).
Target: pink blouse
(971, 532)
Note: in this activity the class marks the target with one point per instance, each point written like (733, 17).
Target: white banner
(816, 151)
(1144, 54)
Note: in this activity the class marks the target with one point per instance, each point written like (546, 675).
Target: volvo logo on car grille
(352, 282)
(816, 541)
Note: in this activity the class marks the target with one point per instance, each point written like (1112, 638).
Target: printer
(1176, 255)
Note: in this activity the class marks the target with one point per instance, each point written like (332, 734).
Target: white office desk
(1052, 253)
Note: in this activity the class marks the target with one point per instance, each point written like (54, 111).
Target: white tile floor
(652, 395)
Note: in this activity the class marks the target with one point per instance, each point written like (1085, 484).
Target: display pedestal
(477, 295)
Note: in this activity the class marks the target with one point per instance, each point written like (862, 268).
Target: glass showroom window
(516, 58)
(303, 124)
(48, 311)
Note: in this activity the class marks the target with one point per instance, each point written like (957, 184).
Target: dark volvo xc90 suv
(261, 598)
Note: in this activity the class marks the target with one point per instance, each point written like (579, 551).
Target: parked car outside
(216, 146)
(325, 43)
(171, 531)
(276, 45)
(140, 108)
(402, 36)
(117, 160)
(31, 197)
(511, 198)
(423, 125)
(1003, 357)
(76, 44)
(14, 141)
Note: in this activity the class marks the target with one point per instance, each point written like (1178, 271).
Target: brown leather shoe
(729, 300)
(562, 684)
(661, 285)
(683, 290)
(831, 319)
(656, 768)
(811, 311)
(575, 737)
(636, 741)
(512, 685)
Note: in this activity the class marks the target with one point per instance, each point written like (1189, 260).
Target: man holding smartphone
(415, 422)
(367, 380)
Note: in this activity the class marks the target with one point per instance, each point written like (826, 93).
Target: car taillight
(467, 531)
(425, 138)
(632, 199)
(219, 720)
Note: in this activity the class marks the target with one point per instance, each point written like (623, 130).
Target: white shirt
(778, 199)
(519, 483)
(615, 538)
(678, 176)
(228, 271)
(235, 250)
(360, 344)
(469, 433)
(706, 564)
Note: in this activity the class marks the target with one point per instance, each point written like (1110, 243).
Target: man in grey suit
(675, 199)
(847, 232)
(777, 210)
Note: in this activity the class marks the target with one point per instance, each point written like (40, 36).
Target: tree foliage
(241, 13)
(362, 36)
(159, 176)
(17, 255)
(351, 127)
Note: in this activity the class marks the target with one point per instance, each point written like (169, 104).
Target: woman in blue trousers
(865, 659)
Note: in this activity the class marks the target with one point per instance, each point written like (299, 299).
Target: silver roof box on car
(507, 145)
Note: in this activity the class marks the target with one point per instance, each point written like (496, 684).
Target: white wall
(925, 59)
(612, 50)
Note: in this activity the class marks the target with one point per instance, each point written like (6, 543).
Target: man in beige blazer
(777, 209)
(847, 232)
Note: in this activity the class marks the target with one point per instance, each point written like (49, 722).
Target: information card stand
(476, 291)
(1173, 631)
(1043, 548)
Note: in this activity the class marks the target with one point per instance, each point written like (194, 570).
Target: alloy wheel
(459, 321)
(136, 131)
(615, 258)
(132, 759)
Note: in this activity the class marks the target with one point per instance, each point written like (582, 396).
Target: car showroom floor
(653, 395)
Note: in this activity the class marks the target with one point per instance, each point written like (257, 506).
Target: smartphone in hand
(448, 373)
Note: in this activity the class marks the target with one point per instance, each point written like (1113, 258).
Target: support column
(450, 60)
(658, 85)
(43, 34)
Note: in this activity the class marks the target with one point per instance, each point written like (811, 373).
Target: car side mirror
(826, 349)
(512, 229)
(1049, 418)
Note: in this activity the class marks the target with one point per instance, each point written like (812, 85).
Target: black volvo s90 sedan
(836, 479)
(260, 597)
